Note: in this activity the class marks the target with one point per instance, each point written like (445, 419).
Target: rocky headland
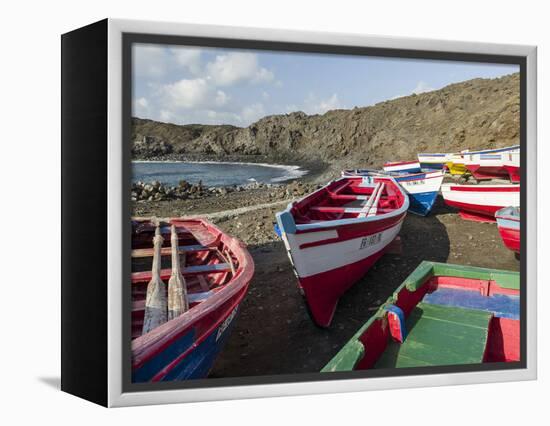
(479, 113)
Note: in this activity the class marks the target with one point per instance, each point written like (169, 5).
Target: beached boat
(216, 270)
(480, 202)
(422, 188)
(441, 315)
(511, 162)
(508, 222)
(433, 160)
(402, 166)
(334, 235)
(486, 166)
(455, 164)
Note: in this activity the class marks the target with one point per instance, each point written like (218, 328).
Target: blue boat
(422, 188)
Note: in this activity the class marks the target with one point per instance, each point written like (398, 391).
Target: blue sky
(184, 85)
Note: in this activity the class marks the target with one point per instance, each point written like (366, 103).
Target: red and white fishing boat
(480, 202)
(403, 166)
(486, 166)
(334, 235)
(511, 164)
(508, 222)
(490, 164)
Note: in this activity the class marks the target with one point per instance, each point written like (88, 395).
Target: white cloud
(263, 76)
(188, 59)
(187, 93)
(142, 102)
(235, 67)
(314, 105)
(182, 86)
(422, 87)
(193, 93)
(141, 107)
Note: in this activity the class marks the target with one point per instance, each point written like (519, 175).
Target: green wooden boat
(442, 314)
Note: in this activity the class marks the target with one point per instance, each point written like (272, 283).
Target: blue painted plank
(501, 305)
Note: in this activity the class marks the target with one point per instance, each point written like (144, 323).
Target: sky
(185, 85)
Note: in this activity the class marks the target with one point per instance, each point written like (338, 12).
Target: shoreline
(294, 171)
(314, 169)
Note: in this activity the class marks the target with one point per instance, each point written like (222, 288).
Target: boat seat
(145, 276)
(359, 203)
(351, 197)
(167, 251)
(439, 335)
(332, 209)
(502, 305)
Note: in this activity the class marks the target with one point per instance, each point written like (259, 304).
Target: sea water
(212, 173)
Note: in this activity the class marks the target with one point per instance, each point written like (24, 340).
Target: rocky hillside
(479, 113)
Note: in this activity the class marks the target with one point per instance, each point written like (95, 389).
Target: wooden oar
(177, 288)
(156, 310)
(374, 208)
(371, 200)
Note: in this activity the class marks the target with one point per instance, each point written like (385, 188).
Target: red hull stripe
(485, 172)
(481, 188)
(511, 238)
(400, 163)
(488, 211)
(514, 173)
(484, 287)
(352, 232)
(355, 210)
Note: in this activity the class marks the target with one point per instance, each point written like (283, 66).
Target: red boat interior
(207, 264)
(448, 321)
(349, 198)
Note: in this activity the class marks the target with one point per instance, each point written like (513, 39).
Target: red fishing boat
(216, 269)
(441, 315)
(334, 235)
(480, 202)
(508, 222)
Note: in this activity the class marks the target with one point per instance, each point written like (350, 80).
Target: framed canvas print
(251, 212)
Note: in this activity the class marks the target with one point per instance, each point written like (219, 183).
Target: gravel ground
(273, 333)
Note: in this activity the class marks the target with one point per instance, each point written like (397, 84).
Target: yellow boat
(456, 169)
(455, 164)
